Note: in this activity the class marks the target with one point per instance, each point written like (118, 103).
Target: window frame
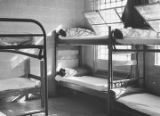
(127, 54)
(102, 64)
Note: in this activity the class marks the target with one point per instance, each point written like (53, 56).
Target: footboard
(124, 83)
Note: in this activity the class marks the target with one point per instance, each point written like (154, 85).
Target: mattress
(2, 114)
(139, 41)
(105, 40)
(96, 39)
(91, 82)
(16, 41)
(142, 102)
(130, 36)
(17, 83)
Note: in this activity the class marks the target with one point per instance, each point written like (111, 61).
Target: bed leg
(42, 83)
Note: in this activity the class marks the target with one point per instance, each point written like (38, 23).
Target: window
(102, 53)
(108, 14)
(103, 4)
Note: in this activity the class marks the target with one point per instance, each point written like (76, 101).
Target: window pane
(102, 53)
(110, 16)
(103, 4)
(116, 26)
(103, 16)
(120, 11)
(94, 18)
(155, 25)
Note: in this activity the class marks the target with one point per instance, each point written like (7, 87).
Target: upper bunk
(146, 39)
(17, 36)
(105, 28)
(83, 40)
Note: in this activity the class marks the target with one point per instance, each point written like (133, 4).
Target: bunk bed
(85, 83)
(142, 102)
(118, 92)
(125, 87)
(101, 40)
(137, 101)
(22, 43)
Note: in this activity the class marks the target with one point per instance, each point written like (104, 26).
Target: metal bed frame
(108, 95)
(107, 41)
(42, 56)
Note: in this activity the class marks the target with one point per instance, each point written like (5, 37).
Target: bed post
(110, 71)
(144, 66)
(27, 72)
(44, 97)
(27, 68)
(137, 63)
(42, 83)
(44, 67)
(54, 65)
(80, 55)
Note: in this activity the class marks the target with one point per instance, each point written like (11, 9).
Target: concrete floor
(63, 105)
(77, 105)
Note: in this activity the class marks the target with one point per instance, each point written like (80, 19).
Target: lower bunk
(95, 85)
(18, 93)
(137, 102)
(21, 109)
(18, 86)
(85, 84)
(126, 100)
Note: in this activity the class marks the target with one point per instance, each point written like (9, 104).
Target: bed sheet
(17, 83)
(139, 41)
(2, 114)
(143, 102)
(91, 82)
(16, 41)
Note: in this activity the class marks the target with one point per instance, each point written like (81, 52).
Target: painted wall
(9, 70)
(88, 51)
(50, 13)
